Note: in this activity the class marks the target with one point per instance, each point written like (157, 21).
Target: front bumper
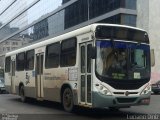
(102, 101)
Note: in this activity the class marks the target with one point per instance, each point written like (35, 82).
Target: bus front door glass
(86, 78)
(39, 75)
(13, 77)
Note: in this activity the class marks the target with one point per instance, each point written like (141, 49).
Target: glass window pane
(30, 60)
(89, 88)
(83, 66)
(20, 61)
(138, 58)
(42, 56)
(128, 19)
(52, 55)
(76, 13)
(38, 65)
(89, 52)
(7, 64)
(131, 4)
(68, 52)
(99, 7)
(83, 87)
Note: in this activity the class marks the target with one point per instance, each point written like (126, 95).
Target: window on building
(52, 55)
(8, 64)
(14, 43)
(124, 19)
(131, 4)
(40, 30)
(65, 1)
(127, 19)
(68, 52)
(13, 48)
(7, 43)
(30, 60)
(99, 7)
(8, 48)
(76, 13)
(20, 63)
(116, 19)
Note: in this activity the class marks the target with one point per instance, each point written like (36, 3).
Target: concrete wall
(143, 14)
(148, 18)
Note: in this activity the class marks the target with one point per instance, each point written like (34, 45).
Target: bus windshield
(122, 60)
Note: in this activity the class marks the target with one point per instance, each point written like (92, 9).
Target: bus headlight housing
(103, 90)
(146, 90)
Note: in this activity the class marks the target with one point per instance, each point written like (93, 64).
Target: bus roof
(80, 31)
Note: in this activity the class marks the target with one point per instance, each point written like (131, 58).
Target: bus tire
(67, 100)
(22, 94)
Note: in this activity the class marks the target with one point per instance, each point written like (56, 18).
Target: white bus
(97, 66)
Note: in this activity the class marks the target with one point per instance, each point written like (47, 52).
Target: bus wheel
(67, 100)
(22, 94)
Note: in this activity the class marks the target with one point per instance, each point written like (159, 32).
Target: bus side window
(29, 60)
(68, 52)
(20, 64)
(52, 55)
(8, 64)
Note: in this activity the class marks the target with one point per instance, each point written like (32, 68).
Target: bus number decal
(75, 85)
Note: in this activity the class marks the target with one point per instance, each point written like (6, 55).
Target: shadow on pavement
(80, 112)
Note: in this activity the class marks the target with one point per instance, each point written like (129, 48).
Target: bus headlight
(146, 90)
(103, 90)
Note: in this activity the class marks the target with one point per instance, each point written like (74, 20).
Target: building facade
(24, 22)
(148, 18)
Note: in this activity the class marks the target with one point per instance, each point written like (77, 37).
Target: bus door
(13, 89)
(85, 73)
(39, 75)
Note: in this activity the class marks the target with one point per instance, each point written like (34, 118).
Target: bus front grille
(126, 100)
(123, 93)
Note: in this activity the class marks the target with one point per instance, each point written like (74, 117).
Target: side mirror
(93, 52)
(152, 57)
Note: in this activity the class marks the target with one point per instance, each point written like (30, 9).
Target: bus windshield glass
(122, 60)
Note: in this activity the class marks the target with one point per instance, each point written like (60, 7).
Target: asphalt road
(11, 108)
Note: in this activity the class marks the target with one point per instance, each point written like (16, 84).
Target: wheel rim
(67, 99)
